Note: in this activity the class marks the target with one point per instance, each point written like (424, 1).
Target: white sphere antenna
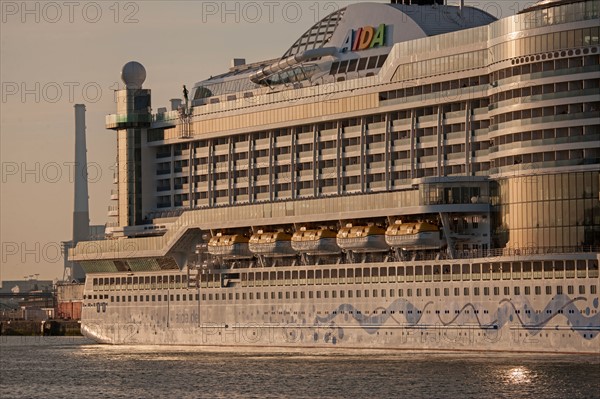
(133, 75)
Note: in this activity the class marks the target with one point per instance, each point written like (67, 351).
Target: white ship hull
(378, 319)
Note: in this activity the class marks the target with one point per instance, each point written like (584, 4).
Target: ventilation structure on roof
(318, 35)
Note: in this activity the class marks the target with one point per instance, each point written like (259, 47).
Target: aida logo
(364, 38)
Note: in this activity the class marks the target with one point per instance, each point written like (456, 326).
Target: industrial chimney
(81, 215)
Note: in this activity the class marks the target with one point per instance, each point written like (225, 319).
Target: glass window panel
(578, 38)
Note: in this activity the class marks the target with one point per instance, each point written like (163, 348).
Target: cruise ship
(410, 175)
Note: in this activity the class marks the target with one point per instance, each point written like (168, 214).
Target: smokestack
(81, 215)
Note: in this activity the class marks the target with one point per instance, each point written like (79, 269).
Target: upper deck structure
(379, 113)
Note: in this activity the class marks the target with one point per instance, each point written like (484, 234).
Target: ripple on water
(72, 367)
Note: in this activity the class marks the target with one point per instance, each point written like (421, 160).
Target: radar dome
(133, 75)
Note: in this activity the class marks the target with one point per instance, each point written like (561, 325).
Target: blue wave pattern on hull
(562, 305)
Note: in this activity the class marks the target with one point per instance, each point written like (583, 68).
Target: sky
(54, 55)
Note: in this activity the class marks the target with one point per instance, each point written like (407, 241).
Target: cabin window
(350, 293)
(400, 293)
(476, 291)
(527, 290)
(366, 276)
(409, 292)
(548, 290)
(559, 290)
(517, 290)
(466, 291)
(310, 295)
(593, 289)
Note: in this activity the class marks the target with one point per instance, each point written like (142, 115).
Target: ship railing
(505, 252)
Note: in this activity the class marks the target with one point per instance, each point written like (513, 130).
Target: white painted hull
(497, 322)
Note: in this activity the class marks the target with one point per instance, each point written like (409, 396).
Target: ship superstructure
(405, 176)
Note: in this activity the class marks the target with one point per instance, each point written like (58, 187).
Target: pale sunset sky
(54, 55)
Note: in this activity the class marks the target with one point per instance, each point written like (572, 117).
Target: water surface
(60, 367)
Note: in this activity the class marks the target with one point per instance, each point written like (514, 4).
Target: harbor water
(67, 367)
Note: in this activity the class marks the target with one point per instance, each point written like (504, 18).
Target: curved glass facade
(551, 212)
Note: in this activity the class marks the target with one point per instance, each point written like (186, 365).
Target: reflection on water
(73, 367)
(518, 375)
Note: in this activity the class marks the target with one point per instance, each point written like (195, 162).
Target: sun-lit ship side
(405, 176)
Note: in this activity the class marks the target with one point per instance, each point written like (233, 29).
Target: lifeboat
(315, 242)
(271, 244)
(362, 239)
(229, 246)
(414, 236)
